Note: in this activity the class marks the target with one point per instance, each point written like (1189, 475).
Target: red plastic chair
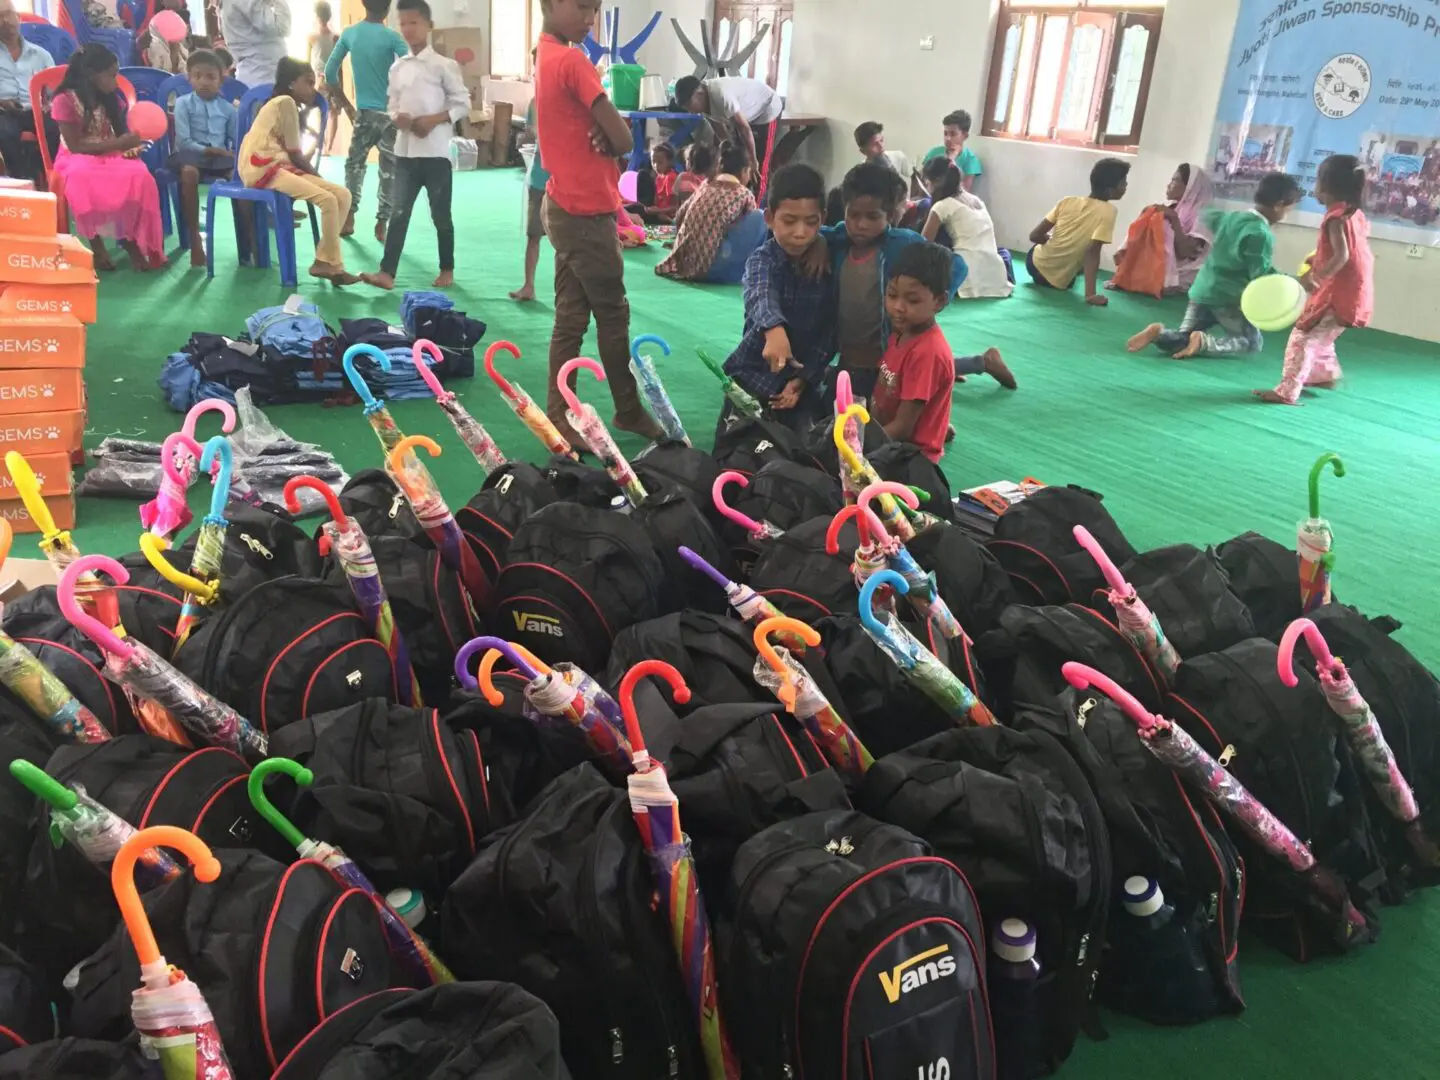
(43, 86)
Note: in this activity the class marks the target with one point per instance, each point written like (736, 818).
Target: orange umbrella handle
(486, 675)
(773, 625)
(122, 880)
(397, 460)
(7, 537)
(626, 695)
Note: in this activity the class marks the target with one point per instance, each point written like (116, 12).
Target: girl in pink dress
(109, 190)
(1340, 283)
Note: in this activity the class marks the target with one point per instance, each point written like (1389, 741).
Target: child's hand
(423, 125)
(1097, 301)
(777, 350)
(600, 143)
(789, 397)
(130, 141)
(815, 263)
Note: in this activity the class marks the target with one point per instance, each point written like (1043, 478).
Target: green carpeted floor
(1179, 449)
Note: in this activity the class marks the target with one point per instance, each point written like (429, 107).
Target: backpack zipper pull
(617, 1046)
(674, 1059)
(1227, 755)
(395, 505)
(257, 547)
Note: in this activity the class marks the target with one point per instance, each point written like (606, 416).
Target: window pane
(722, 36)
(509, 48)
(1047, 74)
(1029, 36)
(1001, 103)
(1081, 74)
(1129, 70)
(743, 33)
(782, 74)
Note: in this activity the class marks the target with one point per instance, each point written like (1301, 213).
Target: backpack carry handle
(1113, 577)
(1333, 460)
(1319, 648)
(200, 408)
(315, 484)
(174, 442)
(567, 391)
(357, 381)
(1083, 677)
(648, 339)
(495, 377)
(255, 788)
(28, 488)
(152, 547)
(218, 447)
(869, 526)
(86, 623)
(626, 694)
(867, 598)
(510, 651)
(717, 496)
(417, 357)
(774, 625)
(122, 880)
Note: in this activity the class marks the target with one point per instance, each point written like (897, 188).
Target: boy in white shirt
(427, 98)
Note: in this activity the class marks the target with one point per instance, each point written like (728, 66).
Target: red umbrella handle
(495, 377)
(627, 700)
(870, 526)
(292, 496)
(1319, 648)
(1082, 677)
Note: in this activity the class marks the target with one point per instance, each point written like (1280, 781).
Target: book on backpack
(1034, 540)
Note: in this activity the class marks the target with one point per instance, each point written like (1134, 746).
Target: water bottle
(1014, 972)
(1170, 979)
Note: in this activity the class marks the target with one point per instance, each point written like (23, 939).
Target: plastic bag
(1144, 267)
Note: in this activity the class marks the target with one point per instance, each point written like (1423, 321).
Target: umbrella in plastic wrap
(1313, 541)
(869, 554)
(844, 398)
(1172, 745)
(584, 419)
(757, 531)
(168, 512)
(381, 422)
(433, 513)
(657, 816)
(917, 663)
(347, 540)
(406, 946)
(748, 604)
(744, 403)
(1362, 732)
(562, 696)
(652, 390)
(924, 595)
(528, 413)
(140, 670)
(1137, 622)
(92, 829)
(169, 1011)
(777, 670)
(472, 433)
(856, 474)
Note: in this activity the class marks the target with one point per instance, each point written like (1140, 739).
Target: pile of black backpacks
(962, 910)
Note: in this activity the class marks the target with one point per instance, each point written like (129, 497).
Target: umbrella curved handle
(626, 694)
(844, 395)
(648, 339)
(713, 364)
(495, 376)
(396, 459)
(867, 597)
(219, 447)
(86, 623)
(122, 880)
(907, 495)
(1113, 577)
(42, 785)
(563, 380)
(28, 488)
(485, 676)
(152, 547)
(200, 408)
(315, 484)
(1333, 460)
(357, 381)
(7, 539)
(717, 496)
(866, 522)
(255, 788)
(1083, 677)
(847, 452)
(1319, 648)
(698, 562)
(763, 645)
(417, 357)
(505, 648)
(173, 442)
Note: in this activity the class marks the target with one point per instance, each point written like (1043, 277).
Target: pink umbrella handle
(495, 377)
(87, 624)
(626, 694)
(869, 524)
(1113, 577)
(1319, 648)
(417, 356)
(568, 368)
(888, 487)
(200, 408)
(844, 396)
(717, 496)
(167, 454)
(1082, 677)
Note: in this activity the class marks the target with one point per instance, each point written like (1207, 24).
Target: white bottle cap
(1014, 941)
(1143, 896)
(408, 904)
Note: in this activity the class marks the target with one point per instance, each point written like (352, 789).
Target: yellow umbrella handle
(847, 452)
(29, 489)
(152, 546)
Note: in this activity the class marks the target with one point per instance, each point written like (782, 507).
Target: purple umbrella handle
(482, 644)
(699, 563)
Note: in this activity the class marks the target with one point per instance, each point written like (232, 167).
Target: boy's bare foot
(443, 280)
(381, 280)
(102, 260)
(950, 432)
(1270, 397)
(998, 370)
(1192, 347)
(380, 230)
(1097, 301)
(348, 229)
(336, 275)
(197, 253)
(138, 261)
(524, 293)
(1145, 337)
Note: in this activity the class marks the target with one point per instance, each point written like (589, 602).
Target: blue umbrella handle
(357, 381)
(867, 597)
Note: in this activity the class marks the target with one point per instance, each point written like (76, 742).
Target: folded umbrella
(381, 422)
(869, 555)
(584, 419)
(924, 594)
(472, 433)
(856, 474)
(758, 531)
(844, 398)
(525, 409)
(1314, 539)
(652, 390)
(168, 512)
(737, 395)
(1138, 623)
(433, 513)
(748, 604)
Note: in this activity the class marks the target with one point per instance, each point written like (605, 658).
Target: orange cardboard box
(16, 184)
(36, 300)
(57, 342)
(52, 260)
(43, 432)
(27, 213)
(62, 509)
(23, 390)
(52, 470)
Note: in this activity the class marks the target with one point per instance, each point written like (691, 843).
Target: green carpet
(1179, 450)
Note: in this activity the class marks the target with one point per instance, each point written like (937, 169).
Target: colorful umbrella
(381, 422)
(844, 398)
(584, 419)
(408, 947)
(433, 513)
(1362, 732)
(657, 816)
(472, 433)
(1314, 539)
(917, 663)
(133, 665)
(1137, 622)
(653, 390)
(758, 531)
(168, 1010)
(869, 556)
(562, 696)
(1173, 746)
(856, 473)
(344, 536)
(778, 671)
(748, 604)
(924, 594)
(528, 412)
(168, 512)
(94, 831)
(737, 395)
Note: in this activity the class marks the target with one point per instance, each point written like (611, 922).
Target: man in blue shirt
(19, 60)
(205, 140)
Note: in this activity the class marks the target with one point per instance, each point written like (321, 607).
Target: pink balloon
(628, 181)
(147, 120)
(170, 26)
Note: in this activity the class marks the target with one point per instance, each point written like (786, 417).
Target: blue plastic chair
(170, 89)
(148, 81)
(119, 41)
(60, 44)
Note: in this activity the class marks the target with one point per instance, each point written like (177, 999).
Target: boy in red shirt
(582, 135)
(917, 372)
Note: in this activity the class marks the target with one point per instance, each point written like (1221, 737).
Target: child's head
(205, 74)
(919, 287)
(376, 10)
(296, 78)
(793, 204)
(323, 14)
(93, 71)
(569, 20)
(1109, 179)
(700, 160)
(1276, 193)
(942, 178)
(690, 93)
(872, 192)
(227, 62)
(1340, 179)
(1175, 190)
(662, 158)
(415, 22)
(870, 139)
(955, 129)
(735, 160)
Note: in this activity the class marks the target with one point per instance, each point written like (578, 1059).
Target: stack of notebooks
(977, 509)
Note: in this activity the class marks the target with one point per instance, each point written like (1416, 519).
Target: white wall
(855, 60)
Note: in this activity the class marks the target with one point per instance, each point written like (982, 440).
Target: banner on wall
(1311, 78)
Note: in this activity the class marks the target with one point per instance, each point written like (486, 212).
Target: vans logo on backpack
(920, 970)
(936, 1070)
(527, 623)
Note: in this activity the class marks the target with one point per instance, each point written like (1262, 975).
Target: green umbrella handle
(715, 368)
(920, 493)
(256, 788)
(1331, 459)
(43, 785)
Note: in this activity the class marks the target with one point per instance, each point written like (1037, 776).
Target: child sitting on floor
(656, 186)
(708, 215)
(204, 142)
(1070, 237)
(958, 220)
(1240, 252)
(699, 167)
(870, 141)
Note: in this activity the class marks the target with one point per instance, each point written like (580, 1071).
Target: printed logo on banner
(528, 623)
(916, 972)
(1342, 86)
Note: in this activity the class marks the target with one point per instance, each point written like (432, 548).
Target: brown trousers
(590, 279)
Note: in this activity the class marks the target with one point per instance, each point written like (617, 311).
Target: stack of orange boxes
(47, 295)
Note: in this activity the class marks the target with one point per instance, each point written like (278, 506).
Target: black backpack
(851, 950)
(78, 1059)
(25, 1014)
(715, 655)
(677, 467)
(905, 463)
(1189, 592)
(476, 1030)
(24, 739)
(786, 494)
(673, 522)
(562, 903)
(580, 483)
(379, 506)
(1035, 542)
(1265, 575)
(288, 649)
(1015, 813)
(509, 496)
(971, 580)
(574, 578)
(747, 445)
(819, 443)
(275, 950)
(260, 546)
(1284, 746)
(796, 574)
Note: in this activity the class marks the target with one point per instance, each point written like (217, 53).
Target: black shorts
(211, 168)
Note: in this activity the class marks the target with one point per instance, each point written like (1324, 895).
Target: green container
(625, 84)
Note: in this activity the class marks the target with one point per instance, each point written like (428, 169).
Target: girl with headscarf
(1167, 243)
